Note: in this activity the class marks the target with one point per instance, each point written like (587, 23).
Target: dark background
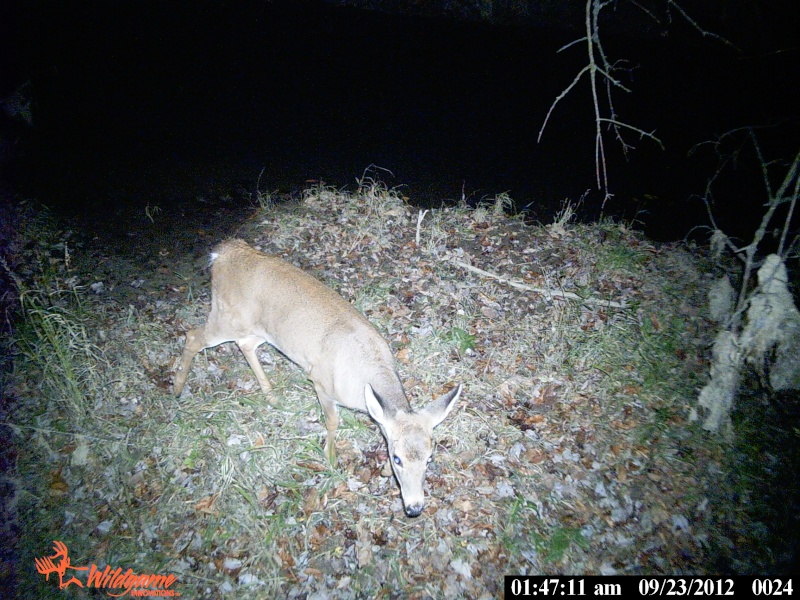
(162, 102)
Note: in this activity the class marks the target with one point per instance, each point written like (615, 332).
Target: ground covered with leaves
(580, 347)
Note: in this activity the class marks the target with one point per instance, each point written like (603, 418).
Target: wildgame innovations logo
(116, 582)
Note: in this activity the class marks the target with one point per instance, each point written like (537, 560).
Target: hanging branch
(599, 70)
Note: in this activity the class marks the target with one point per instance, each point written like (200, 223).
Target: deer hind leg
(248, 347)
(195, 341)
(331, 423)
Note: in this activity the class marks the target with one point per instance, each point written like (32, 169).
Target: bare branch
(761, 162)
(788, 220)
(641, 132)
(646, 11)
(699, 29)
(559, 98)
(791, 180)
(570, 44)
(791, 175)
(549, 293)
(611, 79)
(599, 65)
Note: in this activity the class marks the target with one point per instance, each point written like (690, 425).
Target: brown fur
(257, 298)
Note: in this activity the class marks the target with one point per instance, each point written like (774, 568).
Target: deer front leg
(331, 423)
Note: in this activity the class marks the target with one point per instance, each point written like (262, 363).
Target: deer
(257, 298)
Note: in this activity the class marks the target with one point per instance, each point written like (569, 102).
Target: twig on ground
(547, 292)
(420, 216)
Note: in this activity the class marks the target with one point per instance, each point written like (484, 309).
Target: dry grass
(567, 453)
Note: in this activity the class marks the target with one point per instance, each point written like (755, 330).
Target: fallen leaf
(58, 485)
(206, 505)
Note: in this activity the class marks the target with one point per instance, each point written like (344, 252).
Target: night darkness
(157, 100)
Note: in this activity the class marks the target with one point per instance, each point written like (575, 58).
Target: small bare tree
(759, 324)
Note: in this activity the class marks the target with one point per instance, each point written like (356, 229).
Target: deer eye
(397, 461)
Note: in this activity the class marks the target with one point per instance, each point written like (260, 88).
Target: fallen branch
(420, 216)
(546, 292)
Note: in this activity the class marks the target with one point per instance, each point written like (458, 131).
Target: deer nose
(414, 510)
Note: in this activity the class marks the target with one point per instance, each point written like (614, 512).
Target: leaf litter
(580, 348)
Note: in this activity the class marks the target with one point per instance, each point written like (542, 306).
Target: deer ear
(437, 411)
(374, 406)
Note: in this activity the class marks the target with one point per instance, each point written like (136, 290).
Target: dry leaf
(206, 505)
(58, 485)
(311, 501)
